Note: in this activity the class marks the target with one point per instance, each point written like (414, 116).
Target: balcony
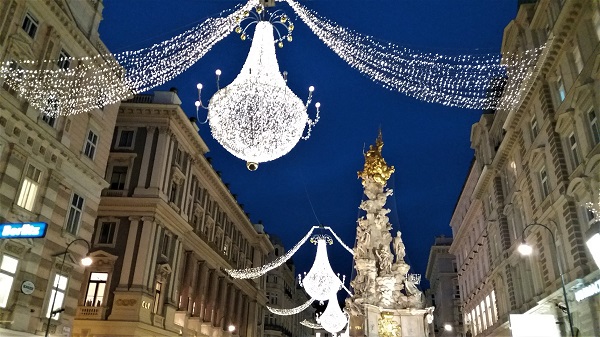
(89, 312)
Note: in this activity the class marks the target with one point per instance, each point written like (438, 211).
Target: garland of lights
(468, 81)
(292, 311)
(311, 325)
(340, 241)
(251, 273)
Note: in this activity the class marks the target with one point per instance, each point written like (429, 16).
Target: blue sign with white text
(23, 230)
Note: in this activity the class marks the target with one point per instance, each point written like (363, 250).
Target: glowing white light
(311, 88)
(231, 328)
(333, 319)
(291, 311)
(86, 261)
(218, 72)
(311, 325)
(199, 86)
(257, 118)
(321, 282)
(448, 327)
(525, 249)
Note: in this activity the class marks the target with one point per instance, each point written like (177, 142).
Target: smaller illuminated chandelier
(321, 282)
(333, 319)
(257, 118)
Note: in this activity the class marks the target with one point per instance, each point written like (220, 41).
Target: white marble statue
(399, 248)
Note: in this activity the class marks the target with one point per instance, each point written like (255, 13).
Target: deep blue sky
(427, 143)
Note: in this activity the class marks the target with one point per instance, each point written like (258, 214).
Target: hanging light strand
(467, 81)
(340, 240)
(292, 311)
(255, 272)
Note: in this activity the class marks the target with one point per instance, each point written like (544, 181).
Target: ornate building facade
(51, 168)
(443, 292)
(538, 162)
(283, 292)
(167, 226)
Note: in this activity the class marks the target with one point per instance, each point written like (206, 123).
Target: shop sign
(587, 291)
(23, 230)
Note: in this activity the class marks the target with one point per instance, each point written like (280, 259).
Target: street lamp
(230, 327)
(526, 249)
(86, 261)
(448, 327)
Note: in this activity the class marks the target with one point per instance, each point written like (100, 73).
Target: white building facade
(537, 162)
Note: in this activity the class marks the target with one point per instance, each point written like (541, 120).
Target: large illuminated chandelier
(320, 281)
(257, 117)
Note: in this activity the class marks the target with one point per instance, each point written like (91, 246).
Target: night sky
(316, 183)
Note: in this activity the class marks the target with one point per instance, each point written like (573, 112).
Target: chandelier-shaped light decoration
(333, 319)
(257, 118)
(291, 311)
(320, 282)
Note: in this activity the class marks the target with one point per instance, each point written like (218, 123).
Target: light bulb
(311, 88)
(218, 72)
(199, 86)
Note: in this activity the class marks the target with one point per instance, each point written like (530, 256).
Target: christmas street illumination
(291, 311)
(257, 118)
(320, 282)
(333, 319)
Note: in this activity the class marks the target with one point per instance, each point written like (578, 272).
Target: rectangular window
(8, 268)
(64, 60)
(50, 111)
(106, 232)
(126, 139)
(488, 305)
(577, 60)
(30, 25)
(117, 177)
(174, 192)
(16, 68)
(29, 188)
(535, 129)
(96, 289)
(594, 126)
(74, 214)
(545, 188)
(560, 88)
(57, 296)
(165, 244)
(484, 323)
(574, 150)
(90, 144)
(157, 292)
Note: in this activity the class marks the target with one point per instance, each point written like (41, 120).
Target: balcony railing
(89, 312)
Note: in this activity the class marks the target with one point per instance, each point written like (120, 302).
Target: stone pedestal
(381, 322)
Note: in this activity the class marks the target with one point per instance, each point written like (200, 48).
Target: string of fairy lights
(466, 81)
(291, 311)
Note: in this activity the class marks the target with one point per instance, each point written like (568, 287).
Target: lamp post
(230, 327)
(526, 249)
(86, 261)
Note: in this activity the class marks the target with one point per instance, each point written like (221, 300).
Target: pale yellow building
(51, 169)
(538, 162)
(167, 227)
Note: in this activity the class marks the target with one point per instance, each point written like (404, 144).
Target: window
(545, 188)
(29, 188)
(165, 244)
(30, 25)
(174, 193)
(57, 295)
(8, 268)
(560, 88)
(273, 298)
(74, 214)
(118, 177)
(574, 151)
(535, 129)
(157, 292)
(96, 289)
(106, 232)
(49, 120)
(64, 60)
(126, 139)
(90, 144)
(591, 217)
(594, 126)
(16, 68)
(577, 60)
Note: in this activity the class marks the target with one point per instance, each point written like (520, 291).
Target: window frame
(594, 126)
(561, 91)
(33, 22)
(534, 127)
(52, 300)
(120, 135)
(91, 145)
(7, 274)
(157, 297)
(73, 228)
(573, 150)
(64, 60)
(544, 182)
(122, 176)
(95, 296)
(29, 200)
(99, 227)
